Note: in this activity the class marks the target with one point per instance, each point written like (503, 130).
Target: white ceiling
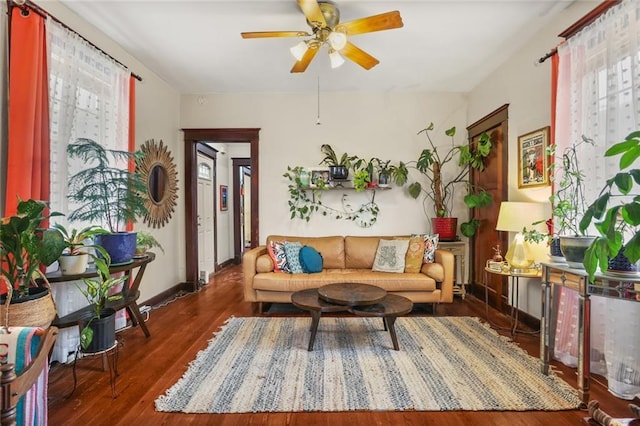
(446, 45)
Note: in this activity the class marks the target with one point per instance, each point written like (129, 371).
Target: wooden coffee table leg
(390, 322)
(315, 319)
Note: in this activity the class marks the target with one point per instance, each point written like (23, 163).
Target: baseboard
(168, 293)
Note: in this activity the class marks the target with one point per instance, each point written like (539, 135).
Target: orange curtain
(28, 155)
(132, 128)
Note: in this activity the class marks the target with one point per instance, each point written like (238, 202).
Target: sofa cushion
(292, 249)
(414, 256)
(430, 246)
(360, 252)
(389, 281)
(332, 248)
(278, 256)
(311, 260)
(390, 256)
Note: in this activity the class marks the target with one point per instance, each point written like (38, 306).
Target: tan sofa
(346, 259)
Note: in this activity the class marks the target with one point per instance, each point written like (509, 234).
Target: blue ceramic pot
(121, 246)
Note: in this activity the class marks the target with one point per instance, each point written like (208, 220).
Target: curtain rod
(25, 5)
(581, 23)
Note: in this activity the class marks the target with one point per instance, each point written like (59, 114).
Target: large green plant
(616, 221)
(106, 194)
(24, 245)
(438, 189)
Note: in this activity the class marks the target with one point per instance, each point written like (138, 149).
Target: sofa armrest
(249, 261)
(446, 259)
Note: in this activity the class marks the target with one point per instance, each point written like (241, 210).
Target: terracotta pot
(445, 227)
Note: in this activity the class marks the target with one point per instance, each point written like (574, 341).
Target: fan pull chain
(318, 123)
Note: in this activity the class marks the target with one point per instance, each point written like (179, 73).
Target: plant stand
(109, 359)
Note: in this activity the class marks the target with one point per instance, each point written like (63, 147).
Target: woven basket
(37, 312)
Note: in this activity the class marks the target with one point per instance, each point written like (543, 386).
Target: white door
(206, 217)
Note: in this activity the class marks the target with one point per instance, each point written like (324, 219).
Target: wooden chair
(14, 386)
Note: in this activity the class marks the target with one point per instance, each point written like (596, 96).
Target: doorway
(206, 216)
(192, 137)
(494, 180)
(242, 222)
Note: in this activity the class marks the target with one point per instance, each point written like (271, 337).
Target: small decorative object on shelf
(497, 257)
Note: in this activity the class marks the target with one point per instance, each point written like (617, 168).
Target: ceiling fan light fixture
(337, 40)
(336, 59)
(299, 50)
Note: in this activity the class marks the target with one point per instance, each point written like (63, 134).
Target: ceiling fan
(323, 16)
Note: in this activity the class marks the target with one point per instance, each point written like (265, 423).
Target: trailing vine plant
(305, 201)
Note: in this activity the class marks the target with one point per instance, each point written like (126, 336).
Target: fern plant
(106, 194)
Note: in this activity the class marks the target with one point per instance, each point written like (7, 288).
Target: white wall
(380, 125)
(157, 117)
(526, 87)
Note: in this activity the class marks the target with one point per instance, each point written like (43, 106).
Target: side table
(514, 293)
(459, 250)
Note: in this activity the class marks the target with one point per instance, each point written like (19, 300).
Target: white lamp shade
(336, 59)
(337, 40)
(299, 50)
(516, 215)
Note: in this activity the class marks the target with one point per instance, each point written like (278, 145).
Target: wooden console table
(605, 285)
(130, 293)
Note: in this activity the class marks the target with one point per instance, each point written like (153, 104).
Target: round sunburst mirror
(159, 172)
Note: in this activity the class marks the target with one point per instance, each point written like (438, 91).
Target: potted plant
(440, 188)
(617, 224)
(107, 194)
(97, 331)
(568, 204)
(75, 258)
(145, 241)
(24, 247)
(338, 167)
(388, 172)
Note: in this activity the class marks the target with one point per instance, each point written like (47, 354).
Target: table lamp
(514, 216)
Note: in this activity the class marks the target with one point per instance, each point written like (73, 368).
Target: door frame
(191, 139)
(209, 152)
(238, 244)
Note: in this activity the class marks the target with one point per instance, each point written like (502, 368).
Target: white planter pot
(73, 265)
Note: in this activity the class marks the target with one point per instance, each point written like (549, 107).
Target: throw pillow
(310, 259)
(278, 256)
(390, 256)
(414, 256)
(292, 249)
(430, 246)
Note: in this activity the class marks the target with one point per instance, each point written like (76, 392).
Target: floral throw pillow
(278, 256)
(415, 254)
(430, 246)
(390, 256)
(292, 249)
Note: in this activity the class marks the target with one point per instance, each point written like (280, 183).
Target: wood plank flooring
(182, 328)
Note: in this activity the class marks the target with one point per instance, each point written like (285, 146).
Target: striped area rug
(444, 363)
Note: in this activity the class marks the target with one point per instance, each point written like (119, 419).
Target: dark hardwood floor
(149, 366)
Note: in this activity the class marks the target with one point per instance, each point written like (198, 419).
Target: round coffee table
(360, 299)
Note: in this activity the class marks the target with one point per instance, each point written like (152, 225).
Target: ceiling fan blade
(302, 64)
(359, 56)
(311, 10)
(264, 34)
(384, 21)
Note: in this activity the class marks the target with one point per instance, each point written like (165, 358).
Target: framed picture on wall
(224, 198)
(533, 159)
(317, 174)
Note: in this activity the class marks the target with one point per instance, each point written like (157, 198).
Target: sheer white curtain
(88, 98)
(599, 97)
